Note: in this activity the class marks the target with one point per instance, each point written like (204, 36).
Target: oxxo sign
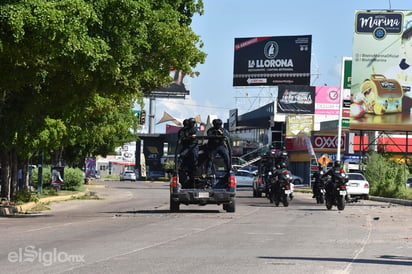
(327, 142)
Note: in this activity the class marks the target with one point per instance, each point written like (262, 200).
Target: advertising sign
(90, 163)
(272, 61)
(177, 89)
(299, 124)
(381, 94)
(327, 100)
(153, 152)
(296, 99)
(57, 176)
(328, 142)
(233, 119)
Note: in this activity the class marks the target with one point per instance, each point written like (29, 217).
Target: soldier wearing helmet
(189, 149)
(218, 145)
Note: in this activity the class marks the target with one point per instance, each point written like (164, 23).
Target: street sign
(324, 160)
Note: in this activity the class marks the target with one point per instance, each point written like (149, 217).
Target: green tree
(71, 69)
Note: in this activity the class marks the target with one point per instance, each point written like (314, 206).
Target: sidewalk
(7, 211)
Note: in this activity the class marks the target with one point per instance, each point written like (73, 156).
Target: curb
(28, 206)
(391, 200)
(12, 210)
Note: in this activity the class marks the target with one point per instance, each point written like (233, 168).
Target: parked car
(296, 180)
(253, 169)
(128, 175)
(409, 182)
(244, 178)
(357, 186)
(155, 175)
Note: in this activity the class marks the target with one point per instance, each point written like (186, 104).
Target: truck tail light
(232, 182)
(174, 182)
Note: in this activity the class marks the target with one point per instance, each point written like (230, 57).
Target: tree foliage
(72, 69)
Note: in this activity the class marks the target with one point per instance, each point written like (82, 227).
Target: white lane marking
(194, 232)
(47, 227)
(364, 242)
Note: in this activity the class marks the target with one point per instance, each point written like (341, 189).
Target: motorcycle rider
(318, 181)
(332, 173)
(219, 146)
(189, 151)
(282, 156)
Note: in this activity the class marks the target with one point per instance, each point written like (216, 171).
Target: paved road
(130, 230)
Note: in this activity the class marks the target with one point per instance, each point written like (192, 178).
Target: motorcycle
(280, 180)
(336, 189)
(318, 183)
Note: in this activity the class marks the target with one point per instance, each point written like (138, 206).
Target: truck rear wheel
(174, 206)
(231, 207)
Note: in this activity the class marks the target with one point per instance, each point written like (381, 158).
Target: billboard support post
(342, 81)
(151, 114)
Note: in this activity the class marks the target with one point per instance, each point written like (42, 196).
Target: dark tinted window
(356, 176)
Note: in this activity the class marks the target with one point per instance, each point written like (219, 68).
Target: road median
(11, 210)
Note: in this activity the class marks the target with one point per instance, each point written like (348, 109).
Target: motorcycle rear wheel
(341, 202)
(321, 200)
(328, 204)
(285, 200)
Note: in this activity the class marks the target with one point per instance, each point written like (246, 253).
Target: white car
(296, 180)
(244, 178)
(409, 182)
(357, 185)
(128, 175)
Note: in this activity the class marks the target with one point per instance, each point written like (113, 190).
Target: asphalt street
(130, 230)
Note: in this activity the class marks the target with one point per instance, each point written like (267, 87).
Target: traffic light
(137, 114)
(142, 117)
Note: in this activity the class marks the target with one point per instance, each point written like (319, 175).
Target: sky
(330, 22)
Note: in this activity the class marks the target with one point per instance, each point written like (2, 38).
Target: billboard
(381, 95)
(299, 124)
(233, 119)
(327, 100)
(296, 99)
(272, 61)
(178, 88)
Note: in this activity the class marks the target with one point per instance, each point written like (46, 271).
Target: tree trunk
(5, 175)
(14, 174)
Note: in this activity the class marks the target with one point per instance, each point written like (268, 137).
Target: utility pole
(151, 114)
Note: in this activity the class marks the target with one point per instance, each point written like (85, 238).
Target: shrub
(46, 177)
(73, 178)
(25, 196)
(386, 178)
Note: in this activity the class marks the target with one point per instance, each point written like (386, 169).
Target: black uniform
(219, 145)
(189, 149)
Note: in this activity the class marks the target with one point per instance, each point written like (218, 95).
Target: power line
(202, 106)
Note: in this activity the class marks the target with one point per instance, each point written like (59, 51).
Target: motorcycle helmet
(283, 165)
(191, 122)
(336, 164)
(217, 123)
(185, 122)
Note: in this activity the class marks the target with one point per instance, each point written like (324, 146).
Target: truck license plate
(203, 194)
